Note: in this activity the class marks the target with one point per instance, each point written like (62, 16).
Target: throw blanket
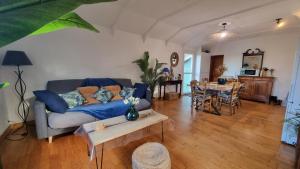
(103, 111)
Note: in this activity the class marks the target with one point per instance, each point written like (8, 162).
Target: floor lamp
(19, 58)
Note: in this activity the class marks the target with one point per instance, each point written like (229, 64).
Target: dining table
(214, 89)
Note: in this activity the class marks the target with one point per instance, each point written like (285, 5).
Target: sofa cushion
(88, 93)
(74, 119)
(143, 105)
(115, 90)
(140, 90)
(73, 98)
(127, 92)
(68, 119)
(98, 82)
(103, 95)
(52, 101)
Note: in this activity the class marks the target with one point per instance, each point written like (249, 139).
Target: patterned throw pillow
(73, 98)
(127, 92)
(103, 95)
(88, 93)
(115, 90)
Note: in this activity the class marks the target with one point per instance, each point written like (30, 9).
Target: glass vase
(132, 114)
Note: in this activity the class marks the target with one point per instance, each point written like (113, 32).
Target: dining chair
(200, 97)
(240, 90)
(230, 99)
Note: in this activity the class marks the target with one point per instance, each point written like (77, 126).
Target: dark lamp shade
(16, 58)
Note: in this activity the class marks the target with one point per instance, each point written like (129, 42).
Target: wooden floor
(248, 140)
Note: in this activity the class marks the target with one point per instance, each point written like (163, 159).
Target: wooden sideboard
(257, 88)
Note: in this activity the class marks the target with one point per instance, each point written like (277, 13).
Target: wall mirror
(174, 59)
(253, 59)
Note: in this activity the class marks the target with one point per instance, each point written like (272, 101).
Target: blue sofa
(49, 124)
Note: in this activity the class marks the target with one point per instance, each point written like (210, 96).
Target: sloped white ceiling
(192, 23)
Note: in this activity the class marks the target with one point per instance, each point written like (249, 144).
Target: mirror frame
(176, 56)
(256, 52)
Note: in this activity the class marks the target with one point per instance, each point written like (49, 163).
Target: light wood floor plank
(250, 139)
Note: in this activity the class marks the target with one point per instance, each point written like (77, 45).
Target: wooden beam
(123, 8)
(223, 17)
(183, 8)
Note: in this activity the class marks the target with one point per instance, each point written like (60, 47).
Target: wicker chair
(231, 99)
(241, 89)
(200, 98)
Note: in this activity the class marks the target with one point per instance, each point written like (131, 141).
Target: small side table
(170, 83)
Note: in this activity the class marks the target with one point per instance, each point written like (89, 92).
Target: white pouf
(151, 156)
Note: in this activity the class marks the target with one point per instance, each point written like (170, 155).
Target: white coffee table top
(119, 126)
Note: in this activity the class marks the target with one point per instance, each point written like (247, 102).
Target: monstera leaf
(3, 85)
(19, 18)
(67, 21)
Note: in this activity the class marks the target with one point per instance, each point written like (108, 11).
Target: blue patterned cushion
(73, 98)
(103, 95)
(127, 92)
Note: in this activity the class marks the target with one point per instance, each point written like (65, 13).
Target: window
(187, 72)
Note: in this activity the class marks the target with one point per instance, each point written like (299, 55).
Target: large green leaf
(19, 18)
(4, 84)
(67, 21)
(143, 63)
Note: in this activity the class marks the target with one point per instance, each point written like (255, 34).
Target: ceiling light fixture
(279, 22)
(224, 32)
(297, 14)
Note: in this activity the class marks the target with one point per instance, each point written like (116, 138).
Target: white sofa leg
(50, 139)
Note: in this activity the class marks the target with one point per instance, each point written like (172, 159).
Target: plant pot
(222, 81)
(132, 114)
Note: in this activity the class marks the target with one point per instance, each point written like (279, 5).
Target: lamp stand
(23, 107)
(20, 87)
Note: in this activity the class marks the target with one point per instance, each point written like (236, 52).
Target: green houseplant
(151, 75)
(20, 18)
(3, 85)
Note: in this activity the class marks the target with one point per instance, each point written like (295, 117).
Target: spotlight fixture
(279, 22)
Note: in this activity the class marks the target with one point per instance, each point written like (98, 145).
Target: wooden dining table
(214, 88)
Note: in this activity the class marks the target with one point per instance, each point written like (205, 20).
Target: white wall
(279, 54)
(201, 65)
(205, 65)
(3, 113)
(78, 53)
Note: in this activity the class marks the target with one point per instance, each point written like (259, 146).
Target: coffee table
(117, 127)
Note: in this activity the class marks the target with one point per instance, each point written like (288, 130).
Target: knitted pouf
(151, 156)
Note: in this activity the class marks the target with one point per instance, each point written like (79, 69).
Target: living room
(191, 132)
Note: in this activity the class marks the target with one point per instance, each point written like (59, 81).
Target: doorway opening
(187, 72)
(215, 62)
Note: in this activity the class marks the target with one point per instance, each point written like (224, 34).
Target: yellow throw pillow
(115, 90)
(88, 94)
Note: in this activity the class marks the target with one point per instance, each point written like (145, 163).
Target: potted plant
(151, 75)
